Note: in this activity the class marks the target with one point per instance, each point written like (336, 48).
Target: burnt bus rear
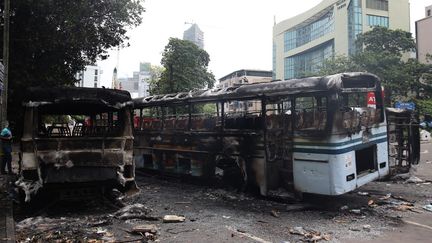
(76, 136)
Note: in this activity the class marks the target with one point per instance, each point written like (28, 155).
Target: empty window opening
(366, 160)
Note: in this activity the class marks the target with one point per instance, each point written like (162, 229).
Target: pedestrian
(6, 138)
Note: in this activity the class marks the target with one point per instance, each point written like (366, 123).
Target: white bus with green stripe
(312, 135)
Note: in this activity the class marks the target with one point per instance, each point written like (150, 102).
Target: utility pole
(4, 97)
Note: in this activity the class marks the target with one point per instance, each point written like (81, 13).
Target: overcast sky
(237, 33)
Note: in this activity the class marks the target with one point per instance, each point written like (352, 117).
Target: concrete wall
(424, 38)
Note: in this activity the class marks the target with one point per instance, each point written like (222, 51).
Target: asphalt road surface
(385, 211)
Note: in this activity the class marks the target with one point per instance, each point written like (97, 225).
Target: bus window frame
(379, 101)
(261, 112)
(329, 114)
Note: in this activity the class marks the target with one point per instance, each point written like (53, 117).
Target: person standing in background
(6, 139)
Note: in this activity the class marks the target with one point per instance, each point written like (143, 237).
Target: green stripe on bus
(340, 151)
(337, 144)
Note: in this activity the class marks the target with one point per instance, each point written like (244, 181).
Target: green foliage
(384, 40)
(339, 64)
(51, 40)
(185, 68)
(384, 54)
(155, 73)
(205, 108)
(424, 106)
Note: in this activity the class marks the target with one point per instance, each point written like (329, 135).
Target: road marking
(424, 152)
(255, 238)
(417, 224)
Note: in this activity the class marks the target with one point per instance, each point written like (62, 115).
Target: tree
(384, 53)
(185, 68)
(51, 40)
(339, 64)
(383, 40)
(155, 75)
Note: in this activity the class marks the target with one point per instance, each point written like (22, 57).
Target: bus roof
(336, 82)
(37, 96)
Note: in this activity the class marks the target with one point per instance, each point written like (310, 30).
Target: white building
(302, 43)
(424, 36)
(243, 76)
(138, 84)
(90, 77)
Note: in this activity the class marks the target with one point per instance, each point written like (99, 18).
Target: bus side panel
(311, 176)
(383, 160)
(343, 173)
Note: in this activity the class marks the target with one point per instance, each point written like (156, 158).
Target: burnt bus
(313, 135)
(74, 137)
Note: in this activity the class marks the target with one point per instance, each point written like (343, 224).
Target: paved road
(217, 215)
(417, 227)
(7, 230)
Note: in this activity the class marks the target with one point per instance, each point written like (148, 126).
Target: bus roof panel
(334, 82)
(36, 96)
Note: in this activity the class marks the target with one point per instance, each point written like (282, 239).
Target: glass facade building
(374, 20)
(355, 24)
(302, 43)
(303, 35)
(308, 62)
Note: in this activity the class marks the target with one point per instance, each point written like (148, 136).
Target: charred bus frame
(96, 150)
(313, 135)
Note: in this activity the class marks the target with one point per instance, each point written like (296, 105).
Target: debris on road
(297, 231)
(403, 207)
(363, 193)
(41, 229)
(355, 211)
(310, 236)
(385, 197)
(414, 179)
(274, 213)
(344, 208)
(135, 211)
(425, 136)
(367, 227)
(173, 219)
(428, 207)
(145, 228)
(354, 229)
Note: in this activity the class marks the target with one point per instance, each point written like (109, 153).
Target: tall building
(424, 36)
(115, 83)
(302, 43)
(138, 84)
(90, 77)
(194, 34)
(244, 76)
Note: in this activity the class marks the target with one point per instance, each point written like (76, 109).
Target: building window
(96, 72)
(377, 4)
(429, 12)
(308, 62)
(303, 35)
(374, 20)
(95, 79)
(95, 85)
(355, 24)
(136, 86)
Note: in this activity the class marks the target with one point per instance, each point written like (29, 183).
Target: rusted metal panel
(95, 149)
